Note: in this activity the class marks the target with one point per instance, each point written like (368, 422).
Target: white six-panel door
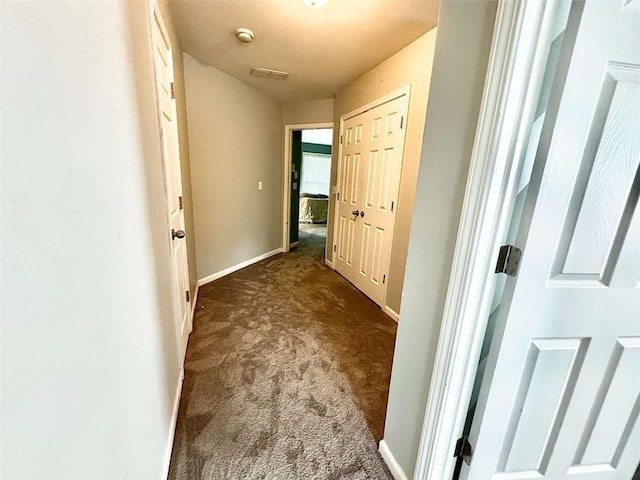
(564, 399)
(369, 167)
(163, 64)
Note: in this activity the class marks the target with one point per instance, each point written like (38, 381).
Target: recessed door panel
(596, 227)
(354, 177)
(386, 191)
(376, 127)
(373, 175)
(351, 238)
(614, 412)
(365, 250)
(550, 371)
(342, 236)
(345, 179)
(378, 260)
(357, 134)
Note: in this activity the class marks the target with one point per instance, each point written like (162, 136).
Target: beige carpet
(287, 375)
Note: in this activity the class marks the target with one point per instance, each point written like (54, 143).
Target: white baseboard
(391, 312)
(172, 427)
(235, 268)
(329, 264)
(293, 245)
(389, 459)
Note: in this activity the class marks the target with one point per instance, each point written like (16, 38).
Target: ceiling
(323, 48)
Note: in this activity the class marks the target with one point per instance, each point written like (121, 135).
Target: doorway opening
(308, 151)
(311, 157)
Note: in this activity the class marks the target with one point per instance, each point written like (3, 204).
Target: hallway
(286, 376)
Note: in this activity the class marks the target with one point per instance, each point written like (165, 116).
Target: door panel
(163, 65)
(546, 384)
(564, 398)
(354, 179)
(369, 169)
(615, 409)
(365, 252)
(604, 185)
(346, 236)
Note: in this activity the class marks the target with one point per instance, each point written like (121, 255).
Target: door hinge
(401, 122)
(338, 198)
(187, 295)
(462, 453)
(173, 91)
(334, 248)
(180, 202)
(392, 206)
(384, 278)
(508, 260)
(340, 138)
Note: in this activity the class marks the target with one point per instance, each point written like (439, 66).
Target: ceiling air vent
(268, 73)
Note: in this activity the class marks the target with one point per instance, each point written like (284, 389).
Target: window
(316, 173)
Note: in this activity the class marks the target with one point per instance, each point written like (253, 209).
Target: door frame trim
(406, 90)
(513, 80)
(286, 174)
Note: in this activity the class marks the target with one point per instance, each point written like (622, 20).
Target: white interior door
(564, 398)
(369, 167)
(163, 62)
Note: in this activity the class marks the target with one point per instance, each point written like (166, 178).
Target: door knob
(362, 213)
(177, 234)
(355, 212)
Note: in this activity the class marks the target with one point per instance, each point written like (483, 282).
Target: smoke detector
(268, 73)
(244, 35)
(315, 3)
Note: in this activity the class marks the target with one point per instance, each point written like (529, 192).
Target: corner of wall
(223, 113)
(454, 100)
(409, 66)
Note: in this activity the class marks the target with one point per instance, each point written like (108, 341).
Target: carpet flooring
(286, 376)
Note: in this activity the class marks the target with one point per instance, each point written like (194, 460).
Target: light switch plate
(259, 185)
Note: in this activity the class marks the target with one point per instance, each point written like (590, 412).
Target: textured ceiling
(323, 48)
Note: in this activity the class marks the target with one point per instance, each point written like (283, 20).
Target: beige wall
(314, 111)
(235, 141)
(465, 30)
(410, 66)
(90, 361)
(183, 138)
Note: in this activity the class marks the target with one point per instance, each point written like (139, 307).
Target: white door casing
(287, 180)
(564, 398)
(163, 66)
(369, 166)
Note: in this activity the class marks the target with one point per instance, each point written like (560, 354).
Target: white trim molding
(514, 77)
(172, 426)
(239, 266)
(394, 467)
(406, 90)
(391, 312)
(194, 302)
(286, 175)
(329, 264)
